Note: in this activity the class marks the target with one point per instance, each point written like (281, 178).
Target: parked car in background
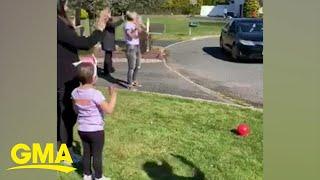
(243, 38)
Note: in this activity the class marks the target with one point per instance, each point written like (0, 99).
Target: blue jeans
(133, 55)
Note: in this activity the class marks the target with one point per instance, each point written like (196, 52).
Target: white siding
(218, 10)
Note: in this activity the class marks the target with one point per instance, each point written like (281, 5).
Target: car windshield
(250, 27)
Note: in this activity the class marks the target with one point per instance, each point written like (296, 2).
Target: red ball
(243, 130)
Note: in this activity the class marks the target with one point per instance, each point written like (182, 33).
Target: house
(235, 8)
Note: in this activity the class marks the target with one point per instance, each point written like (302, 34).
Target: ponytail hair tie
(88, 59)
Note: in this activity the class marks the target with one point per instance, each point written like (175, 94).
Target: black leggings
(92, 143)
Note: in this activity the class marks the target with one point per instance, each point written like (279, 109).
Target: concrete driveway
(156, 77)
(203, 62)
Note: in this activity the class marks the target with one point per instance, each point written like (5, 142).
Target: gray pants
(133, 55)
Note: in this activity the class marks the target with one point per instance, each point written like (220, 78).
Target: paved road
(203, 62)
(155, 77)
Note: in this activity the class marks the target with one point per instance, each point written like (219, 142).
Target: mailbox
(193, 24)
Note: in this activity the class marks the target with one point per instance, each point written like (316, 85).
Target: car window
(250, 27)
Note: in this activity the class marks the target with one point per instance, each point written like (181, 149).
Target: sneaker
(103, 178)
(87, 177)
(136, 84)
(132, 87)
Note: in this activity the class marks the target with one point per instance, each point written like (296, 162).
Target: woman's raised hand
(103, 19)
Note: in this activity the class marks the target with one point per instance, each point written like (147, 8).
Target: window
(251, 27)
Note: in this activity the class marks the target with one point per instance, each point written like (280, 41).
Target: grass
(177, 28)
(158, 137)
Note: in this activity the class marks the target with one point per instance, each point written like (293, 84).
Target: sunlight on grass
(151, 136)
(177, 28)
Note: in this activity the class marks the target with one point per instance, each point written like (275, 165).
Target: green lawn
(158, 137)
(177, 28)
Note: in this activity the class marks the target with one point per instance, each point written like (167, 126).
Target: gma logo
(34, 157)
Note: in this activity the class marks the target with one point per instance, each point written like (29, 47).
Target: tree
(118, 6)
(141, 6)
(145, 6)
(251, 8)
(214, 2)
(182, 6)
(93, 7)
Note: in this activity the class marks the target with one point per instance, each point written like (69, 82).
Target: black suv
(243, 37)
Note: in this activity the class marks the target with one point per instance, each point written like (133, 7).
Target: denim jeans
(133, 55)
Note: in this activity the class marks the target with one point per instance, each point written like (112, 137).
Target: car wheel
(235, 52)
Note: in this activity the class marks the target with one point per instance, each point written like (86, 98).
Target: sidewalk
(155, 77)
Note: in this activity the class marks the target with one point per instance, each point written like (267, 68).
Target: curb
(204, 37)
(198, 99)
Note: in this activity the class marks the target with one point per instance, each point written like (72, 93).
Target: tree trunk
(77, 14)
(78, 22)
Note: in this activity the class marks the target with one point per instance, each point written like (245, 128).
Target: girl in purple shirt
(91, 105)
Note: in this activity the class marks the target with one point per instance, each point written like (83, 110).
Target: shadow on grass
(234, 131)
(164, 171)
(111, 79)
(217, 53)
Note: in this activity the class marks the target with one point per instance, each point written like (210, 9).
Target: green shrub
(84, 14)
(182, 6)
(251, 8)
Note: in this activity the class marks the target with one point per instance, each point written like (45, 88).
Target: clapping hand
(103, 19)
(112, 90)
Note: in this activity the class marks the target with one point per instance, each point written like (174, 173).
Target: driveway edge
(200, 100)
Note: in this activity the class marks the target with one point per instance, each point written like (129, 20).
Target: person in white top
(131, 34)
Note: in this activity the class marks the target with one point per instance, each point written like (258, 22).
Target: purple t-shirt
(90, 116)
(130, 26)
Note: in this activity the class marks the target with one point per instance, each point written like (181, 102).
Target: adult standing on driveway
(108, 42)
(68, 44)
(131, 32)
